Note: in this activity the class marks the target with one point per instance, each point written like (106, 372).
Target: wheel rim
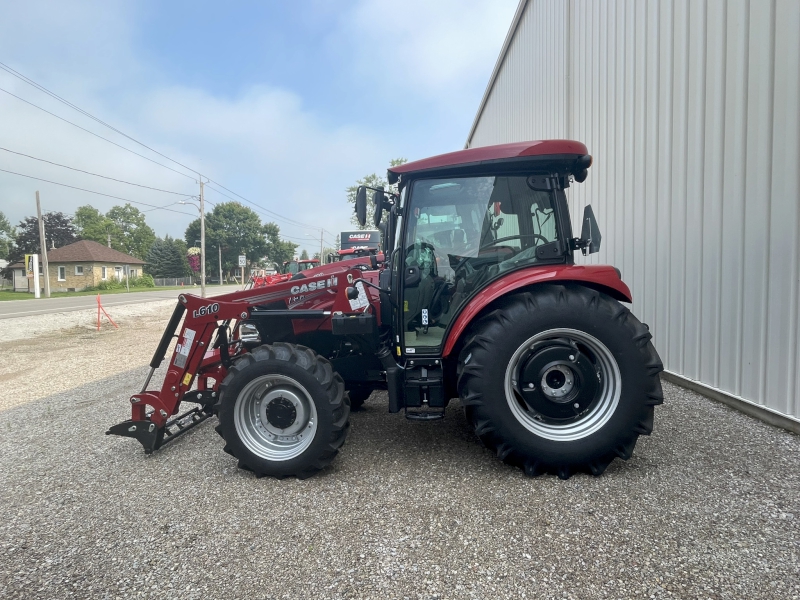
(275, 417)
(563, 384)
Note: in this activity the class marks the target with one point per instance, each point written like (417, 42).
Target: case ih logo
(351, 239)
(311, 286)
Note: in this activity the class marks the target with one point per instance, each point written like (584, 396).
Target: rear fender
(601, 277)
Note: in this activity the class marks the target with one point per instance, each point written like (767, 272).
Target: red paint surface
(599, 275)
(498, 152)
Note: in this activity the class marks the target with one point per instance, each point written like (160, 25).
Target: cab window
(461, 233)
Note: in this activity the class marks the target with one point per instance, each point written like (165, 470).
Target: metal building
(691, 109)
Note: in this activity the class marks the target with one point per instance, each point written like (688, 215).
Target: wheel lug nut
(530, 386)
(572, 357)
(576, 405)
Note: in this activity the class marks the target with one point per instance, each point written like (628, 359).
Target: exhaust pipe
(394, 379)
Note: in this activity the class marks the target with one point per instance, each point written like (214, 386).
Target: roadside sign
(242, 260)
(29, 266)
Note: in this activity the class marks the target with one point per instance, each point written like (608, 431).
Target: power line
(80, 110)
(264, 212)
(309, 239)
(90, 173)
(277, 215)
(96, 135)
(272, 214)
(99, 193)
(75, 107)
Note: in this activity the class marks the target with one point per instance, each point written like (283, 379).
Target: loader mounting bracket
(145, 431)
(151, 437)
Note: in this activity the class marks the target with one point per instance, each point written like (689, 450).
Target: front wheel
(560, 379)
(283, 411)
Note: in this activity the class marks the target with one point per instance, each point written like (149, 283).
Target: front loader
(476, 296)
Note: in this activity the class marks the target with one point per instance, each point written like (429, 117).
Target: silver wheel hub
(558, 381)
(563, 384)
(275, 417)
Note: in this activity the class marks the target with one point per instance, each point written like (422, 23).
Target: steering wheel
(519, 236)
(465, 261)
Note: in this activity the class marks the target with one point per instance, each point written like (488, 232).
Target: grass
(6, 295)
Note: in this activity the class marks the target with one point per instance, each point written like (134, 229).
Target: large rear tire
(283, 411)
(561, 379)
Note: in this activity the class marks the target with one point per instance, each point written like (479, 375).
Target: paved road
(24, 308)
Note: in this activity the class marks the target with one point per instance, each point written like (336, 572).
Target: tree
(135, 235)
(278, 250)
(233, 227)
(124, 224)
(374, 181)
(167, 258)
(304, 254)
(58, 231)
(325, 253)
(91, 224)
(6, 236)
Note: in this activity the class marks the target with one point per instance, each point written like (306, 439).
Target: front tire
(561, 379)
(283, 411)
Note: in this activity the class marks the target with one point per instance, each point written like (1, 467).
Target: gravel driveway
(709, 507)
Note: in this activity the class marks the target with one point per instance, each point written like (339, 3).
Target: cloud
(266, 142)
(435, 49)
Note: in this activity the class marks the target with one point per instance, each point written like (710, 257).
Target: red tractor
(289, 270)
(476, 297)
(349, 253)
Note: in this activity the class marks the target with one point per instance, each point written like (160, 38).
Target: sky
(283, 103)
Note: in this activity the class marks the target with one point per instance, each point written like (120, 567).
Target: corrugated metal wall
(691, 109)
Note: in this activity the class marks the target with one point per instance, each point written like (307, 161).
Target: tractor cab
(293, 267)
(458, 227)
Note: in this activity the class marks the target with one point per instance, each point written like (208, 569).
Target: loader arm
(204, 347)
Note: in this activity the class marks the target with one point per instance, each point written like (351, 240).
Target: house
(80, 265)
(19, 283)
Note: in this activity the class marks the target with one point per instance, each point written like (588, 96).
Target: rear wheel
(561, 379)
(283, 411)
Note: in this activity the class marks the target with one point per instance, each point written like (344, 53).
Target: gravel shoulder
(48, 354)
(708, 507)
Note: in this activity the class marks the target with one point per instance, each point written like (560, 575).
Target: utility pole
(43, 245)
(321, 260)
(108, 236)
(202, 242)
(219, 247)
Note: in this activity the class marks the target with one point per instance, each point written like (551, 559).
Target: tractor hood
(567, 156)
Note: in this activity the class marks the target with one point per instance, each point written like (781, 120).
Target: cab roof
(474, 159)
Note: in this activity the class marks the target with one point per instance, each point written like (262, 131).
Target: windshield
(294, 267)
(463, 232)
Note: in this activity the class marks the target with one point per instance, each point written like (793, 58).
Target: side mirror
(377, 199)
(361, 205)
(412, 277)
(590, 232)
